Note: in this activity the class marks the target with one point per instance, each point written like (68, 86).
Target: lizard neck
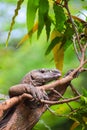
(29, 80)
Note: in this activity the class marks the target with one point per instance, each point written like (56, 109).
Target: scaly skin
(41, 76)
(28, 85)
(33, 79)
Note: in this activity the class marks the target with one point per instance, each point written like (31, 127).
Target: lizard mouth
(54, 75)
(57, 76)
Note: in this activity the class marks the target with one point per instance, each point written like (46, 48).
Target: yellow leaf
(28, 34)
(58, 51)
(78, 19)
(85, 119)
(75, 124)
(58, 1)
(19, 3)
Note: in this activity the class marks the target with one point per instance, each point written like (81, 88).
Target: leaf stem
(73, 25)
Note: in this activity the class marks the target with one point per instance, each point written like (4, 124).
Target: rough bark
(26, 114)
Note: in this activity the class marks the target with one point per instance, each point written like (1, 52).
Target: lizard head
(43, 76)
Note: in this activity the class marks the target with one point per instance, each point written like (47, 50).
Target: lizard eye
(42, 71)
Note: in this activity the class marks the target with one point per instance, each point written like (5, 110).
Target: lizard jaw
(43, 76)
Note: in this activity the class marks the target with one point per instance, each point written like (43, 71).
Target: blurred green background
(16, 62)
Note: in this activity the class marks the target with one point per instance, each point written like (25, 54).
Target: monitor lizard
(28, 85)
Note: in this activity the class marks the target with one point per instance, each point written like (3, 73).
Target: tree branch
(12, 102)
(77, 36)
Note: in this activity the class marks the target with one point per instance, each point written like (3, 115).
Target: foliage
(51, 16)
(80, 114)
(39, 10)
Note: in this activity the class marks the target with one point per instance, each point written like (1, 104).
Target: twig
(74, 90)
(85, 46)
(54, 113)
(59, 94)
(50, 110)
(84, 69)
(76, 50)
(56, 92)
(85, 61)
(61, 102)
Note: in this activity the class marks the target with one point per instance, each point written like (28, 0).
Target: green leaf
(32, 7)
(84, 92)
(48, 26)
(84, 99)
(67, 44)
(59, 17)
(40, 24)
(19, 3)
(67, 37)
(43, 6)
(42, 14)
(52, 44)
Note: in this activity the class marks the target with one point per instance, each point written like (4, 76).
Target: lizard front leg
(26, 88)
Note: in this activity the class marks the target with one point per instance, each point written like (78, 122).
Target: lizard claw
(38, 94)
(42, 94)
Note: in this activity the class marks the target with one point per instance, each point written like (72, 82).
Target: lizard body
(28, 85)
